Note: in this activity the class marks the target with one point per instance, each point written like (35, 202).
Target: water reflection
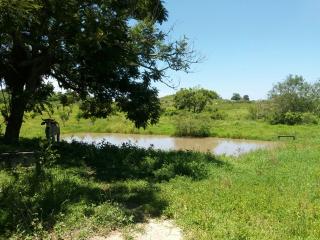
(229, 147)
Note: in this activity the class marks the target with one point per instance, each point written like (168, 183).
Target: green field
(267, 194)
(235, 124)
(209, 162)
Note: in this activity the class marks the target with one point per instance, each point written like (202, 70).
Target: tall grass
(264, 195)
(192, 125)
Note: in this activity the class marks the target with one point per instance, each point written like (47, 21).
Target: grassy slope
(268, 194)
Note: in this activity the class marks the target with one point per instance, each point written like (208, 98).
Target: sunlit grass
(235, 125)
(267, 194)
(263, 195)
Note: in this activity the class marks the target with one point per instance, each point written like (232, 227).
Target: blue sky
(248, 44)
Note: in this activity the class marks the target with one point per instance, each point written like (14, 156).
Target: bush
(293, 98)
(309, 118)
(289, 118)
(130, 162)
(292, 118)
(193, 126)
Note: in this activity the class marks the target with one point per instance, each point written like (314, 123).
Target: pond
(219, 146)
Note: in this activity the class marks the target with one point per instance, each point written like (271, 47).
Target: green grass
(267, 194)
(235, 125)
(82, 190)
(264, 195)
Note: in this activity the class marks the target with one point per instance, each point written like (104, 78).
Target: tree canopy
(194, 99)
(108, 50)
(236, 97)
(246, 98)
(293, 97)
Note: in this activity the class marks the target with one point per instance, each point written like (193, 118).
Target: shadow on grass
(24, 145)
(26, 200)
(110, 162)
(141, 201)
(126, 178)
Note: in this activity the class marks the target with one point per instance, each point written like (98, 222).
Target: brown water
(219, 146)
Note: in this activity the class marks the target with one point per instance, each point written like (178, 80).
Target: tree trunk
(17, 108)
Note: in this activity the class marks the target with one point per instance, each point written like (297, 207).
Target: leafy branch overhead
(108, 50)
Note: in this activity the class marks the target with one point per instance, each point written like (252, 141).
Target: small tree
(236, 97)
(292, 98)
(246, 98)
(194, 99)
(68, 98)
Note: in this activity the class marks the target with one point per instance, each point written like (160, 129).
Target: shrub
(131, 162)
(192, 126)
(292, 118)
(309, 118)
(289, 118)
(292, 98)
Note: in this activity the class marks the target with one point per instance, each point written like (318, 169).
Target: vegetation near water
(65, 196)
(221, 118)
(107, 55)
(80, 190)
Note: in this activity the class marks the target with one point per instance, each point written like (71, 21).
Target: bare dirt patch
(153, 230)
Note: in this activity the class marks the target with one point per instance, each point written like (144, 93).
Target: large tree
(108, 50)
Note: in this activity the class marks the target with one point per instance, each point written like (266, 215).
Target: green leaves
(292, 97)
(94, 108)
(18, 10)
(104, 50)
(236, 97)
(194, 99)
